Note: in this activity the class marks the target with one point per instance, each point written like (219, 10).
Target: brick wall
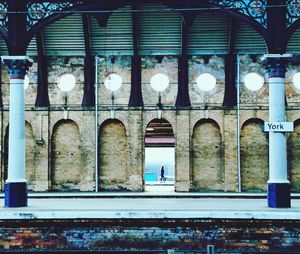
(67, 131)
(207, 164)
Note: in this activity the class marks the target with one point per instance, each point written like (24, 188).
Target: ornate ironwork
(39, 11)
(256, 9)
(3, 16)
(293, 11)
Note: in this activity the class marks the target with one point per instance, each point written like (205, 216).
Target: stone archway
(113, 153)
(30, 157)
(254, 156)
(206, 156)
(66, 158)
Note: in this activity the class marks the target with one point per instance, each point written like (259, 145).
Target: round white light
(296, 80)
(26, 82)
(159, 82)
(113, 82)
(254, 81)
(66, 82)
(206, 82)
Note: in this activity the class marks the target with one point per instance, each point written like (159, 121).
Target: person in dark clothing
(162, 174)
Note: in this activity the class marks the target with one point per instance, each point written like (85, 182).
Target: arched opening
(113, 155)
(159, 173)
(294, 157)
(254, 156)
(66, 159)
(207, 166)
(30, 153)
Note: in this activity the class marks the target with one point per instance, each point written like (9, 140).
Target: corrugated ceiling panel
(31, 50)
(293, 45)
(65, 36)
(209, 34)
(159, 31)
(248, 40)
(116, 38)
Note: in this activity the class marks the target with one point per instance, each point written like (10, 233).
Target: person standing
(162, 174)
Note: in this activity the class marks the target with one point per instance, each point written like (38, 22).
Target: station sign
(279, 126)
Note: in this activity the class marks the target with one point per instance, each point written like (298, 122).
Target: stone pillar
(230, 151)
(278, 184)
(16, 186)
(88, 151)
(182, 151)
(136, 151)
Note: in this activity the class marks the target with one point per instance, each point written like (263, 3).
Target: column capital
(275, 64)
(17, 66)
(275, 67)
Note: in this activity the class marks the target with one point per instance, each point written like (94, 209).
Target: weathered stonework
(214, 66)
(254, 169)
(113, 163)
(292, 92)
(66, 176)
(61, 146)
(230, 151)
(182, 160)
(293, 158)
(57, 66)
(136, 172)
(248, 97)
(207, 159)
(152, 66)
(121, 66)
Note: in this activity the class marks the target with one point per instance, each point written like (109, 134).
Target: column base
(279, 195)
(15, 194)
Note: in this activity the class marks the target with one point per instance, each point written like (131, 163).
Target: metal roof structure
(43, 28)
(20, 22)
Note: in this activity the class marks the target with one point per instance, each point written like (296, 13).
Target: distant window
(66, 82)
(159, 82)
(206, 82)
(113, 82)
(254, 81)
(26, 82)
(296, 80)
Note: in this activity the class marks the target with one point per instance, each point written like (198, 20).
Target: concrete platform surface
(154, 208)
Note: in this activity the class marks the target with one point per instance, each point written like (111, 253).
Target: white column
(16, 151)
(277, 140)
(16, 186)
(278, 184)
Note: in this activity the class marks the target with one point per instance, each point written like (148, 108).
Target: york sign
(279, 126)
